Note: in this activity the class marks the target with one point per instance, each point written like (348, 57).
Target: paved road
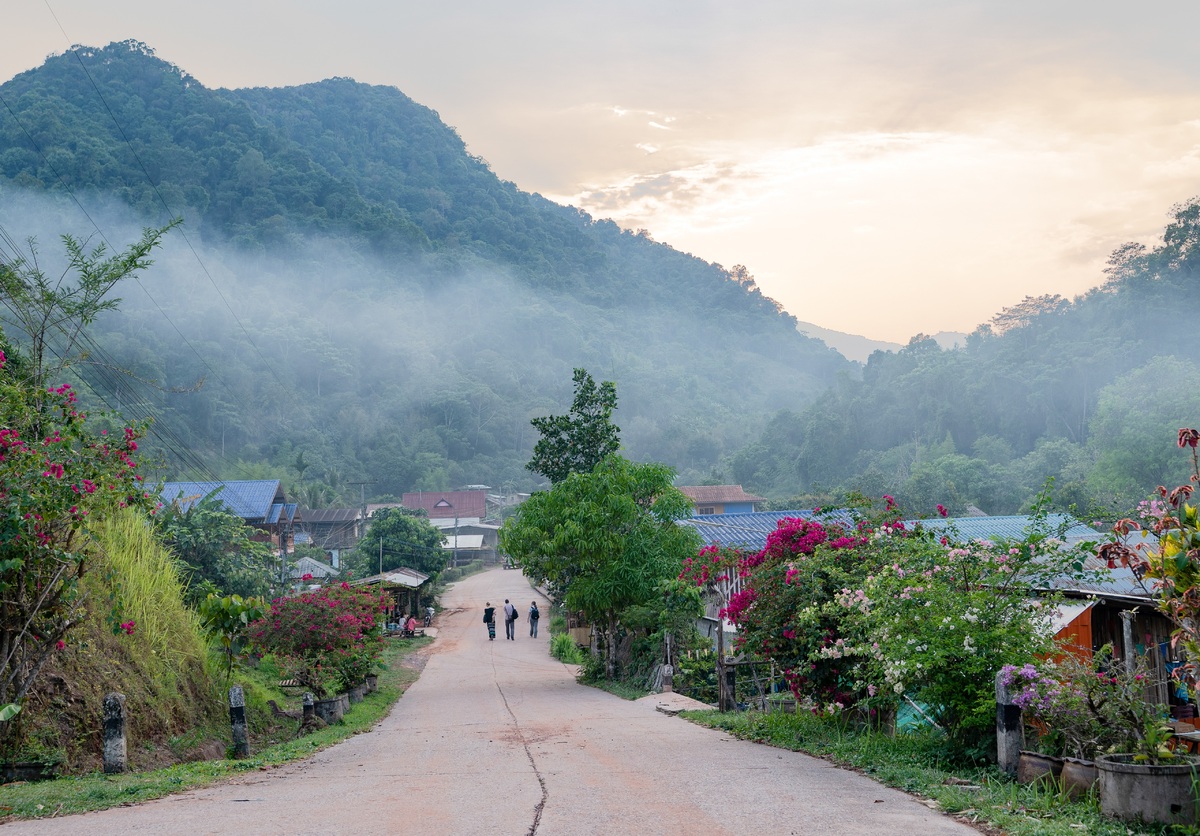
(497, 738)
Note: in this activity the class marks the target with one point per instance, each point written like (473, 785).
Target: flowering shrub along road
(866, 616)
(326, 639)
(57, 477)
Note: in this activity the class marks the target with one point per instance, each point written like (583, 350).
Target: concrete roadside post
(115, 752)
(309, 710)
(237, 719)
(1010, 731)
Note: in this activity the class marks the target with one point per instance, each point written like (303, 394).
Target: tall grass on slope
(162, 667)
(147, 582)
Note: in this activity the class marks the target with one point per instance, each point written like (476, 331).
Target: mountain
(364, 301)
(1090, 392)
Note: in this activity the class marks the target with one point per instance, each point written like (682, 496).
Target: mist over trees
(1089, 391)
(352, 285)
(359, 306)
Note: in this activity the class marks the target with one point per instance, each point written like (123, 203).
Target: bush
(564, 649)
(696, 676)
(327, 639)
(868, 616)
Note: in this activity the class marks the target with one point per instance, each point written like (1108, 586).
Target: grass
(624, 690)
(162, 667)
(97, 791)
(916, 763)
(457, 573)
(564, 649)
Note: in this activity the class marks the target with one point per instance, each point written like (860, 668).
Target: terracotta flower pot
(1034, 767)
(1078, 777)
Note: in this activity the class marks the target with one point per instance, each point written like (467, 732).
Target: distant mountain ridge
(859, 349)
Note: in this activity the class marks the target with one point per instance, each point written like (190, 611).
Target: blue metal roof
(749, 531)
(250, 500)
(1009, 528)
(280, 510)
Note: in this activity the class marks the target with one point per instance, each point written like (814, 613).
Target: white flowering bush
(947, 618)
(869, 616)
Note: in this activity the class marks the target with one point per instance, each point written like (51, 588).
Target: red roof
(718, 494)
(443, 504)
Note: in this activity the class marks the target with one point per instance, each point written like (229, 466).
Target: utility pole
(362, 487)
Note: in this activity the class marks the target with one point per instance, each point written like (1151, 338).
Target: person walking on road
(489, 618)
(510, 621)
(534, 615)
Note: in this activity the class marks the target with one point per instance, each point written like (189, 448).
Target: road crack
(541, 805)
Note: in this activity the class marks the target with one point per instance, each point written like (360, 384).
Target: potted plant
(1152, 783)
(1169, 566)
(1079, 710)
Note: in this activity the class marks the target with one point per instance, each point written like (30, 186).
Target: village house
(261, 504)
(721, 499)
(334, 530)
(449, 505)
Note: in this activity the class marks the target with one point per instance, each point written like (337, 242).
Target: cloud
(936, 227)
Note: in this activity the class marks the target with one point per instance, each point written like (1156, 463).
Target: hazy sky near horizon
(881, 167)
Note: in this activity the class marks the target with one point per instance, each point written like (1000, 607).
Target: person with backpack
(534, 615)
(510, 621)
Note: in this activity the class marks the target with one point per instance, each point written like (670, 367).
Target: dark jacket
(489, 615)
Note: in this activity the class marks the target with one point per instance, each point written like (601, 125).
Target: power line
(166, 206)
(105, 368)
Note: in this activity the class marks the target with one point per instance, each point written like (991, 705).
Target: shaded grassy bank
(97, 791)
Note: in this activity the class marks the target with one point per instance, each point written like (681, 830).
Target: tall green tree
(608, 538)
(578, 441)
(399, 538)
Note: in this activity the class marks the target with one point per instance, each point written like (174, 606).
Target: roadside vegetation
(107, 591)
(273, 743)
(920, 763)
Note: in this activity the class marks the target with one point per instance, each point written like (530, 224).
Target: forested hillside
(357, 305)
(1090, 391)
(360, 298)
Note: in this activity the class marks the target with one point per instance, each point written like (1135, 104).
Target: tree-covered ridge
(262, 166)
(403, 311)
(1089, 391)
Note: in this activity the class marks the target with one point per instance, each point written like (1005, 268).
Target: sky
(881, 167)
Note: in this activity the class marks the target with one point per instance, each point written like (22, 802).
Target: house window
(706, 509)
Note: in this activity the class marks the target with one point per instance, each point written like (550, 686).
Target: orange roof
(448, 503)
(718, 494)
